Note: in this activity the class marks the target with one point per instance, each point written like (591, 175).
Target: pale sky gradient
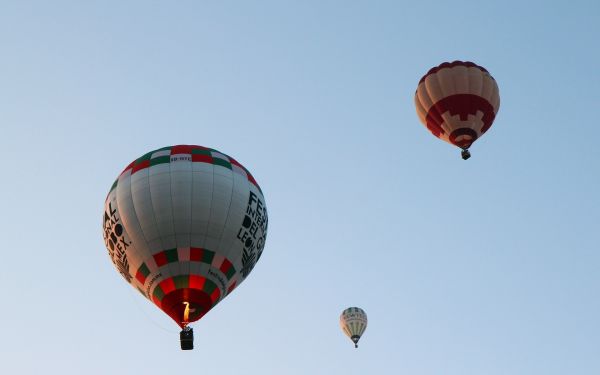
(484, 267)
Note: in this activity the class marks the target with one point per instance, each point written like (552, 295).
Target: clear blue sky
(489, 266)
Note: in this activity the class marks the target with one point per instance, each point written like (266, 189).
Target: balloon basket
(465, 154)
(186, 336)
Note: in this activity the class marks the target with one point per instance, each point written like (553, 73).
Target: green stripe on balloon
(230, 273)
(199, 151)
(181, 281)
(144, 270)
(171, 255)
(158, 293)
(160, 160)
(142, 273)
(207, 256)
(209, 286)
(145, 157)
(221, 162)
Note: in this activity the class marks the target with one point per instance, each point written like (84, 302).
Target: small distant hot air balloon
(457, 102)
(353, 322)
(185, 225)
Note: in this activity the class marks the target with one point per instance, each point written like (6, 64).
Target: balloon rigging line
(148, 317)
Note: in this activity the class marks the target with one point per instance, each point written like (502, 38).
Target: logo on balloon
(116, 244)
(253, 233)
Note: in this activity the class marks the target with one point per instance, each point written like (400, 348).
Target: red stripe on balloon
(232, 287)
(214, 296)
(167, 285)
(140, 277)
(252, 180)
(225, 266)
(139, 166)
(181, 149)
(461, 105)
(199, 158)
(197, 282)
(235, 162)
(195, 254)
(470, 134)
(130, 166)
(160, 258)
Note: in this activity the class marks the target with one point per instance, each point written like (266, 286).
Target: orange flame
(186, 312)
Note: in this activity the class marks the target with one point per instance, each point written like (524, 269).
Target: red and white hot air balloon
(457, 101)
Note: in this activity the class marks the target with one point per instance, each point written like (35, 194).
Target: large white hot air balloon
(185, 225)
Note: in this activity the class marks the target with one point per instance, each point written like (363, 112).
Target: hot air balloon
(185, 225)
(457, 102)
(353, 322)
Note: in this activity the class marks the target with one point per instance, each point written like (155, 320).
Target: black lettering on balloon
(154, 278)
(247, 222)
(253, 232)
(115, 241)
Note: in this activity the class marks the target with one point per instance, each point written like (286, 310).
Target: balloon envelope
(353, 322)
(457, 102)
(185, 225)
